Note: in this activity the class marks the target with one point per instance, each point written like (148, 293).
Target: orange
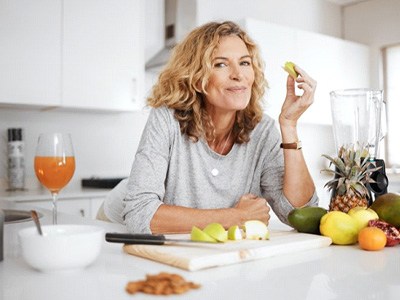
(371, 238)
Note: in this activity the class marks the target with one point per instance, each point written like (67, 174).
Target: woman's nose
(236, 73)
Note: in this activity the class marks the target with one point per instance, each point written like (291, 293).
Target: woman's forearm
(178, 219)
(298, 186)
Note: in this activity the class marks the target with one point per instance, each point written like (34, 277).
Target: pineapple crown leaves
(352, 172)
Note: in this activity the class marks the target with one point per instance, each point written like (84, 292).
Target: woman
(208, 153)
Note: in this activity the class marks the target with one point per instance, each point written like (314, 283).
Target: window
(391, 65)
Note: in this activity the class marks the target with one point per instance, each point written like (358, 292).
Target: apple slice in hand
(289, 67)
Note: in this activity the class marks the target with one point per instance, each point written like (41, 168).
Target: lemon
(362, 215)
(340, 227)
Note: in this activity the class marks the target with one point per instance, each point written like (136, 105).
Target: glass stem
(54, 196)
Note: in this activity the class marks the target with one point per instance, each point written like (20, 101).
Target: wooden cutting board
(197, 256)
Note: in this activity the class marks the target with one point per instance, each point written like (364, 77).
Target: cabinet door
(30, 52)
(335, 64)
(103, 56)
(76, 207)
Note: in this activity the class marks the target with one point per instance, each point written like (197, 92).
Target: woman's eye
(219, 65)
(245, 63)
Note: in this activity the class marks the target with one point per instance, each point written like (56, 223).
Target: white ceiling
(346, 2)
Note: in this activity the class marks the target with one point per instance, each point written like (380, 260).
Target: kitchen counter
(38, 194)
(334, 272)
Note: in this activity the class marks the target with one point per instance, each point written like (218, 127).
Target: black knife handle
(135, 238)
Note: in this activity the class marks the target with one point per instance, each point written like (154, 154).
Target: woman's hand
(294, 106)
(251, 207)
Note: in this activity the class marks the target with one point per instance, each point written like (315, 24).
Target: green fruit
(340, 227)
(289, 67)
(387, 207)
(256, 230)
(362, 215)
(199, 235)
(306, 219)
(216, 231)
(234, 233)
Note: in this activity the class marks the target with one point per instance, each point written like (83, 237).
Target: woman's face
(232, 76)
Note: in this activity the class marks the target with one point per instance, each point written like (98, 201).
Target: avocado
(306, 219)
(387, 207)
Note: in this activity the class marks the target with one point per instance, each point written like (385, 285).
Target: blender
(357, 120)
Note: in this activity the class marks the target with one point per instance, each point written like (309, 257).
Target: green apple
(289, 67)
(362, 215)
(234, 233)
(216, 231)
(256, 230)
(199, 235)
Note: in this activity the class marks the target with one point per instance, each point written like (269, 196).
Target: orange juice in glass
(54, 164)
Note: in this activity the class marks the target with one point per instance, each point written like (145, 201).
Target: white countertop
(38, 194)
(335, 272)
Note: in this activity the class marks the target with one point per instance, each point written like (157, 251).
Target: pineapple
(352, 173)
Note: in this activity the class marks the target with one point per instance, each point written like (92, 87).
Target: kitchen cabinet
(72, 54)
(334, 63)
(103, 64)
(30, 52)
(73, 204)
(82, 207)
(74, 207)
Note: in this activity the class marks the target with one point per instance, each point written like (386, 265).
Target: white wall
(312, 15)
(105, 144)
(376, 23)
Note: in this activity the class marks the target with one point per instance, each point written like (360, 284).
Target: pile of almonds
(161, 284)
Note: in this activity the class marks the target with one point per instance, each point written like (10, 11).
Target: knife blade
(146, 239)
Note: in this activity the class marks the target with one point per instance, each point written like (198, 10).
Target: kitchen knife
(146, 239)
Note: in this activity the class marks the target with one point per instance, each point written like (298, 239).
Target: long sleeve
(145, 189)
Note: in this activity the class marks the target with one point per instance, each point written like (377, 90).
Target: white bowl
(62, 247)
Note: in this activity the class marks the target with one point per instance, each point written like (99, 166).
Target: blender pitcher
(357, 120)
(356, 116)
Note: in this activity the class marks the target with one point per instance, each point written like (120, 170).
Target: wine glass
(54, 163)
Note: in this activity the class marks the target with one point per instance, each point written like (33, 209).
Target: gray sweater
(169, 168)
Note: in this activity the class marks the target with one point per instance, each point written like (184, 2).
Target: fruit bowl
(62, 247)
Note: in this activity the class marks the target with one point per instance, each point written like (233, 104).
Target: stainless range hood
(179, 19)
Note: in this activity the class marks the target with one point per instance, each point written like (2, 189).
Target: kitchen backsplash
(104, 143)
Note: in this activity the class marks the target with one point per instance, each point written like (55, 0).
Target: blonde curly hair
(182, 83)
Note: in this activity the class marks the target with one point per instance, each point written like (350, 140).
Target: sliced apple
(216, 231)
(256, 230)
(234, 233)
(199, 235)
(289, 67)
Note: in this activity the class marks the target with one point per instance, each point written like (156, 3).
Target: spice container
(16, 160)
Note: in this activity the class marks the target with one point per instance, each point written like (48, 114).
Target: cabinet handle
(82, 211)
